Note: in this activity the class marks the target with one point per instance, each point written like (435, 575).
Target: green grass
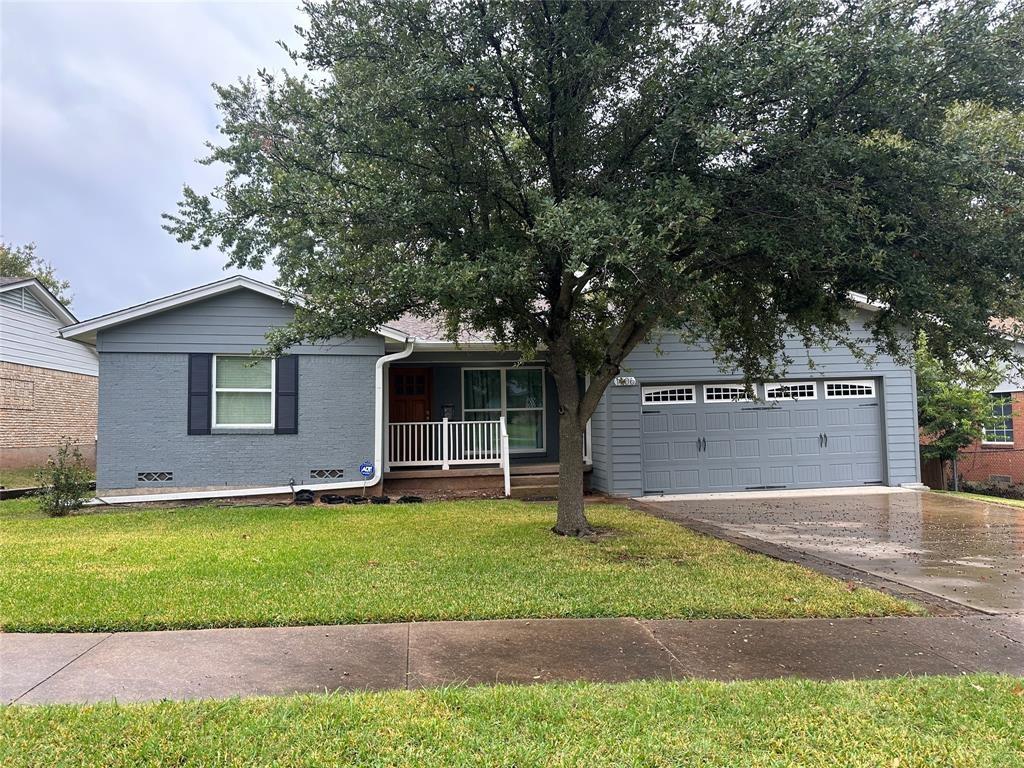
(983, 497)
(271, 566)
(19, 478)
(962, 722)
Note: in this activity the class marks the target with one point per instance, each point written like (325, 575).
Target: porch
(526, 481)
(470, 421)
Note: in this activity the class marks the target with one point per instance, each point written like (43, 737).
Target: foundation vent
(155, 477)
(326, 474)
(1000, 479)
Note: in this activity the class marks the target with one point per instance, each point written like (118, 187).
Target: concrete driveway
(969, 552)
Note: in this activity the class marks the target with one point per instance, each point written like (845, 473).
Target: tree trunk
(572, 520)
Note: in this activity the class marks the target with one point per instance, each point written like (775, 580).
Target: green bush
(65, 482)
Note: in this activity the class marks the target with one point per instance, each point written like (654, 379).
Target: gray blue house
(184, 411)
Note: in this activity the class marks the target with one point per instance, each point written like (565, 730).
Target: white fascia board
(192, 295)
(86, 331)
(43, 295)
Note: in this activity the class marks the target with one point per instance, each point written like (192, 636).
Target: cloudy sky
(105, 107)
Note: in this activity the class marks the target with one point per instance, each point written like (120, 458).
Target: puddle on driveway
(968, 551)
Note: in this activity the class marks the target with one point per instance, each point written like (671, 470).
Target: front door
(409, 398)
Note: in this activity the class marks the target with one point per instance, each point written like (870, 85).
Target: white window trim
(852, 382)
(214, 389)
(504, 410)
(644, 391)
(743, 399)
(784, 398)
(1013, 437)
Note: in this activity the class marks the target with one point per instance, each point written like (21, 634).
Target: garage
(716, 436)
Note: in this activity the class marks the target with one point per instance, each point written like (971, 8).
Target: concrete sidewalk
(220, 663)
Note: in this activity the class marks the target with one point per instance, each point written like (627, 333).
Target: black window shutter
(287, 406)
(199, 384)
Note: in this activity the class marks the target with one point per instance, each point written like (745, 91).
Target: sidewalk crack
(408, 644)
(61, 669)
(675, 659)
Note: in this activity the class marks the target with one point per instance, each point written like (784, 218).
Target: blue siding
(230, 323)
(618, 466)
(143, 400)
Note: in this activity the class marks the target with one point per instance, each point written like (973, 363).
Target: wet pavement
(968, 552)
(222, 663)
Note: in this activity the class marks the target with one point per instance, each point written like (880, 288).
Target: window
(680, 393)
(243, 392)
(718, 393)
(1000, 432)
(515, 393)
(837, 390)
(791, 390)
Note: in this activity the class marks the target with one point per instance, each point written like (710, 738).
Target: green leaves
(577, 175)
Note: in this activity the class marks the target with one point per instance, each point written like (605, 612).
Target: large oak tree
(576, 177)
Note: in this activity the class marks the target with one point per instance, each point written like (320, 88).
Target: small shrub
(65, 482)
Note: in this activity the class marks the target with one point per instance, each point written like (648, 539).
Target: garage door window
(839, 390)
(669, 395)
(791, 390)
(725, 393)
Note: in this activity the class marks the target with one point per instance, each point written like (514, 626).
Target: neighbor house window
(243, 392)
(1001, 430)
(515, 393)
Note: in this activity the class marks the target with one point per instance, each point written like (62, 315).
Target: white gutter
(378, 458)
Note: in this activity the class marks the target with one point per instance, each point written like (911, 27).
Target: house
(48, 384)
(998, 459)
(185, 412)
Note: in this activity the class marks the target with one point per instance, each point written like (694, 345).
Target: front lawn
(962, 722)
(983, 497)
(270, 566)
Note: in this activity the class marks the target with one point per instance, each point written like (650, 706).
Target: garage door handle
(826, 440)
(703, 443)
(821, 439)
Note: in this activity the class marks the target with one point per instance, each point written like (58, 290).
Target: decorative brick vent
(326, 474)
(155, 477)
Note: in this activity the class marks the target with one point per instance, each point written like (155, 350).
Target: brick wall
(40, 405)
(981, 463)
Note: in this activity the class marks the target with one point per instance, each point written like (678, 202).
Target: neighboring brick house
(48, 384)
(999, 458)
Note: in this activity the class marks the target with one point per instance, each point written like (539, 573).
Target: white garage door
(796, 434)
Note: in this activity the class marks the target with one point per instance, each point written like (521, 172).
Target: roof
(429, 331)
(86, 330)
(42, 293)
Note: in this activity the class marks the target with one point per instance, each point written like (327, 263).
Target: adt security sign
(366, 469)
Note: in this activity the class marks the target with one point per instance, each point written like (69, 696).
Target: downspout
(378, 409)
(378, 457)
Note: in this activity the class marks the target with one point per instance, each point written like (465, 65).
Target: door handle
(821, 439)
(698, 445)
(826, 439)
(704, 444)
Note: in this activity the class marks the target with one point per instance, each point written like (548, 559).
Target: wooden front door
(409, 395)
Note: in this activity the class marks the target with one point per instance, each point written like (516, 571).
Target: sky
(104, 109)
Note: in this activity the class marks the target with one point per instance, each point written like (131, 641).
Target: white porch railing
(448, 443)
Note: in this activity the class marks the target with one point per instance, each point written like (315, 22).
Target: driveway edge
(935, 604)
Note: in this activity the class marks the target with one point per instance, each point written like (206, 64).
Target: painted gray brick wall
(618, 466)
(142, 425)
